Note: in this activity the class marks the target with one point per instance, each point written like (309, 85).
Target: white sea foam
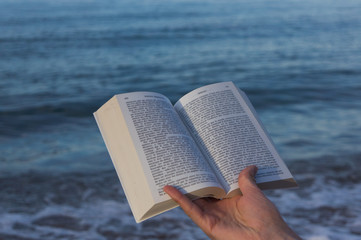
(326, 212)
(323, 210)
(98, 220)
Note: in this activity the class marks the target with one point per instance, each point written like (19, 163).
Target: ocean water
(299, 62)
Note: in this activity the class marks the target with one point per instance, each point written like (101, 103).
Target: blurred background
(298, 61)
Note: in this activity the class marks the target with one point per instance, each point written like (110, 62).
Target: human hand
(250, 216)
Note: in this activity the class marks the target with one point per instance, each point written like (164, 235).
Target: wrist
(280, 233)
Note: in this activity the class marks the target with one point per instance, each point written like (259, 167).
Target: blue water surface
(298, 61)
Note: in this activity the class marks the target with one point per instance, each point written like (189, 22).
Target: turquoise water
(299, 62)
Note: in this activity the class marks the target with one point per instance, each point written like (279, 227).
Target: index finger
(190, 208)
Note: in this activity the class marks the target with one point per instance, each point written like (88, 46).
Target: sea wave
(298, 62)
(93, 206)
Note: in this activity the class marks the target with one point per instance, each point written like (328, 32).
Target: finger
(191, 209)
(246, 180)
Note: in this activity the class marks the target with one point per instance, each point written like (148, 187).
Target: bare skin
(250, 216)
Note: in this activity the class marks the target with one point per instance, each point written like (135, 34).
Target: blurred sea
(299, 62)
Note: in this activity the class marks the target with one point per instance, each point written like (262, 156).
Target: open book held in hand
(199, 145)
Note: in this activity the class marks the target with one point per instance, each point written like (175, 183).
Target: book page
(229, 134)
(168, 154)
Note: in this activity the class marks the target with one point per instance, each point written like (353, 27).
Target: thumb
(246, 179)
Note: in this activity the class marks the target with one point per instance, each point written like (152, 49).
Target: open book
(199, 145)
